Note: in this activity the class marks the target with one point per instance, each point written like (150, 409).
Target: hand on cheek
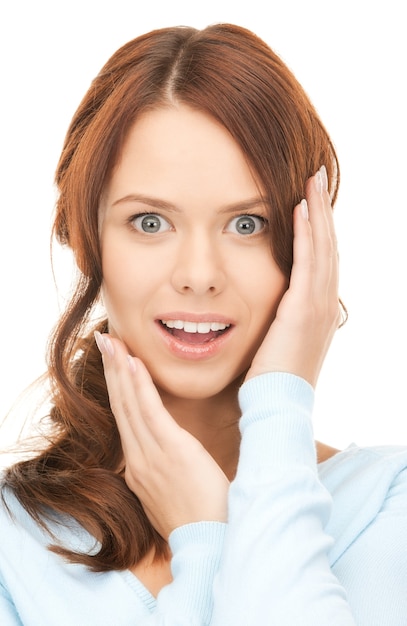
(176, 479)
(309, 312)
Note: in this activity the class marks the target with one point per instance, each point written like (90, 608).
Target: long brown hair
(229, 73)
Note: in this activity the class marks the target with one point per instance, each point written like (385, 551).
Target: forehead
(179, 149)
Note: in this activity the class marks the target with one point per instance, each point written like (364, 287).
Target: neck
(214, 422)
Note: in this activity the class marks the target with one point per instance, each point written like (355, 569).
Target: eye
(150, 223)
(247, 224)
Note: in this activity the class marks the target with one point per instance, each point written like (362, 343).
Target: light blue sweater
(305, 544)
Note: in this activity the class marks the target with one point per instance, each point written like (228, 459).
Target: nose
(199, 268)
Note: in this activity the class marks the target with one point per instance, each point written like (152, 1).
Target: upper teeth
(195, 327)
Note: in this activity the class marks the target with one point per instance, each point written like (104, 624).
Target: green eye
(150, 223)
(246, 224)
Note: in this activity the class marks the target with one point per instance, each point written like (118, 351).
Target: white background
(351, 58)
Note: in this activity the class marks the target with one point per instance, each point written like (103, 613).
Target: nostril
(198, 276)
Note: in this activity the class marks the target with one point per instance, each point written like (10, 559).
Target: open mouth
(195, 332)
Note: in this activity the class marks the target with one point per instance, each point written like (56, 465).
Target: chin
(199, 387)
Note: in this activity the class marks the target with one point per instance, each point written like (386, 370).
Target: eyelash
(139, 216)
(260, 218)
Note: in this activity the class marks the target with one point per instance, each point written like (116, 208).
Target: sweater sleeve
(274, 567)
(188, 600)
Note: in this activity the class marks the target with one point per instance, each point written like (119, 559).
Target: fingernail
(99, 341)
(324, 177)
(103, 343)
(304, 209)
(318, 181)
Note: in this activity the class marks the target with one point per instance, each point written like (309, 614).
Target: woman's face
(189, 282)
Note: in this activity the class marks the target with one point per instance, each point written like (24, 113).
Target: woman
(181, 483)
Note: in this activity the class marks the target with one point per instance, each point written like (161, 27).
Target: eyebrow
(158, 203)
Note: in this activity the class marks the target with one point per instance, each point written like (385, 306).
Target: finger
(324, 237)
(138, 407)
(301, 279)
(319, 216)
(156, 418)
(332, 233)
(122, 395)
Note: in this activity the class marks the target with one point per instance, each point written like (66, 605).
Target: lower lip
(193, 351)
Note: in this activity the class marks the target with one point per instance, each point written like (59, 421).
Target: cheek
(122, 278)
(272, 289)
(267, 304)
(264, 308)
(264, 284)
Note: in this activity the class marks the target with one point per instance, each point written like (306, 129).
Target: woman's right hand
(309, 312)
(176, 479)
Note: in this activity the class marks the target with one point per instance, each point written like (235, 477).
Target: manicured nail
(318, 181)
(103, 343)
(324, 178)
(99, 341)
(304, 209)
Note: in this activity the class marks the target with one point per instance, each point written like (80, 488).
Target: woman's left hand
(309, 312)
(176, 479)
